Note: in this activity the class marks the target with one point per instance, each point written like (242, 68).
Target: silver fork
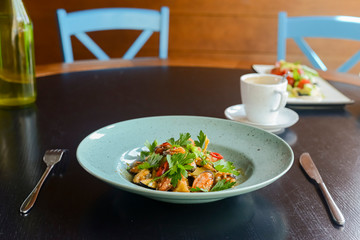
(51, 157)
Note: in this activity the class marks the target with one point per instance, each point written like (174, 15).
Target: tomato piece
(290, 80)
(216, 155)
(303, 82)
(277, 71)
(162, 169)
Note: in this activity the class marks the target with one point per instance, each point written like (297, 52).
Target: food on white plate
(301, 79)
(183, 165)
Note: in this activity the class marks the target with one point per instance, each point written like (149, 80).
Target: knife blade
(309, 166)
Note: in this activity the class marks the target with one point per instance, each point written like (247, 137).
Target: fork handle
(30, 200)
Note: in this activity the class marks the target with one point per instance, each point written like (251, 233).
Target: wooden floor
(235, 30)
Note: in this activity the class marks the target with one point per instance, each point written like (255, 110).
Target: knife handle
(334, 210)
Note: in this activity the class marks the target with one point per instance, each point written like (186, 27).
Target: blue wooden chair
(80, 22)
(298, 28)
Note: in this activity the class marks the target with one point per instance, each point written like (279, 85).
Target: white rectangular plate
(331, 95)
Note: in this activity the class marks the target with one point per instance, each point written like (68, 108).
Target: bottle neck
(19, 11)
(14, 8)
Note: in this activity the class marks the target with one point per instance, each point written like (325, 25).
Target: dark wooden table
(74, 205)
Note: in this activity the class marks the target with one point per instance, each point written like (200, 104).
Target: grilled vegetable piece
(142, 175)
(148, 183)
(134, 167)
(182, 186)
(229, 177)
(193, 164)
(165, 184)
(204, 181)
(198, 171)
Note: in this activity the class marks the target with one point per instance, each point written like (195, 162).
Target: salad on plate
(302, 80)
(183, 165)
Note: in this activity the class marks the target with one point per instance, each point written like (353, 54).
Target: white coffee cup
(263, 96)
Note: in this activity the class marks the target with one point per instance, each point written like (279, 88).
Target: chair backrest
(80, 22)
(297, 28)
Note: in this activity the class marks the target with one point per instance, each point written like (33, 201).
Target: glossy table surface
(74, 205)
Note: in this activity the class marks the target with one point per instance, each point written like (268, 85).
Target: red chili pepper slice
(163, 168)
(216, 155)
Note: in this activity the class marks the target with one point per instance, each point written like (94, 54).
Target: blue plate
(262, 157)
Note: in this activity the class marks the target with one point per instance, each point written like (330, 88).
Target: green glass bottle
(17, 60)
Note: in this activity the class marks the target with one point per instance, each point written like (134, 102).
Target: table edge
(88, 65)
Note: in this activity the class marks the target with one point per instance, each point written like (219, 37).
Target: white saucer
(286, 118)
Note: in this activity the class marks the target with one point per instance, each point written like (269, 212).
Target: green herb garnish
(222, 185)
(225, 166)
(201, 138)
(197, 189)
(153, 161)
(178, 164)
(182, 141)
(150, 146)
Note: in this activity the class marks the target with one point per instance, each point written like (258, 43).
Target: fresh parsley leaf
(175, 179)
(144, 154)
(178, 164)
(188, 167)
(197, 189)
(151, 146)
(153, 161)
(182, 141)
(201, 138)
(187, 158)
(222, 185)
(171, 161)
(225, 166)
(171, 141)
(144, 165)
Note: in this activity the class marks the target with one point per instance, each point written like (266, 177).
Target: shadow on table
(289, 136)
(128, 216)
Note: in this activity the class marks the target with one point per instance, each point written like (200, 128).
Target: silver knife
(310, 168)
